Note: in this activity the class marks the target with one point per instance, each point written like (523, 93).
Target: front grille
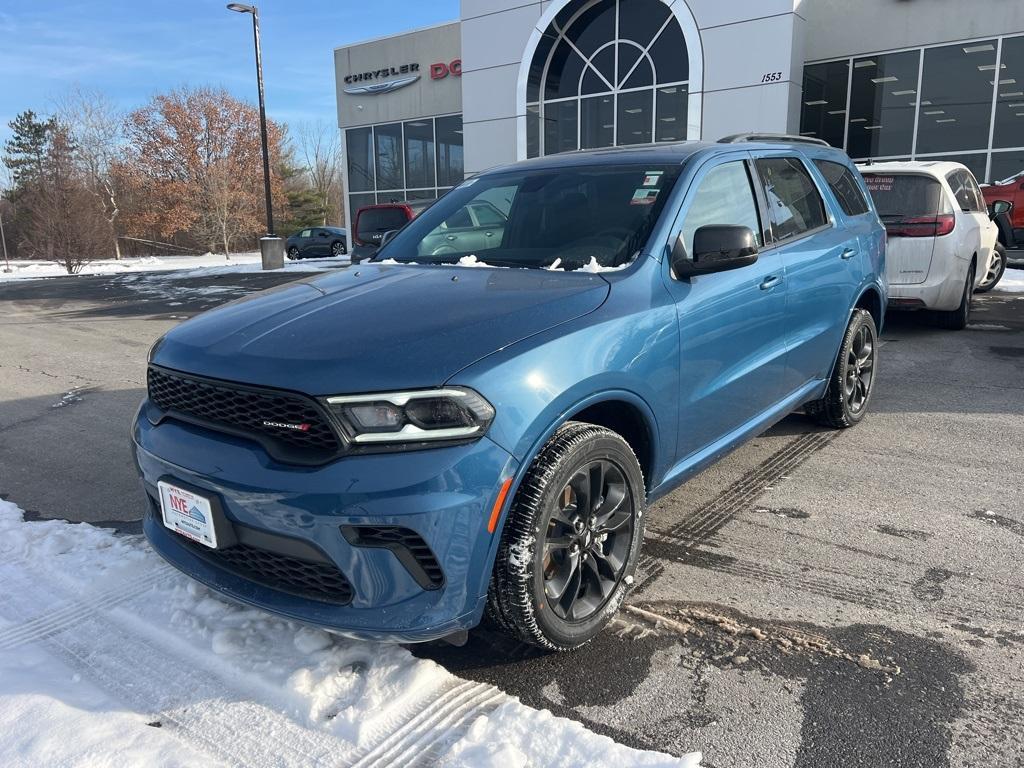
(246, 410)
(322, 582)
(407, 545)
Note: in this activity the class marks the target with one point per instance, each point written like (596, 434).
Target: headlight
(452, 413)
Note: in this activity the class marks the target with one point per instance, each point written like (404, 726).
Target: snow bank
(1012, 282)
(210, 263)
(100, 640)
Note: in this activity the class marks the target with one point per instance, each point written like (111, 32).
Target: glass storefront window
(419, 153)
(956, 97)
(599, 74)
(824, 110)
(560, 126)
(1006, 165)
(882, 100)
(633, 115)
(360, 159)
(597, 122)
(670, 122)
(355, 202)
(1009, 124)
(388, 139)
(449, 150)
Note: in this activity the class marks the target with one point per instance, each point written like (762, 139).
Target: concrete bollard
(272, 251)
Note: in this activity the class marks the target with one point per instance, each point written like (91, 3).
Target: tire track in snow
(700, 525)
(98, 636)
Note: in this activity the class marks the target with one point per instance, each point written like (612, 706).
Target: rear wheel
(853, 376)
(572, 540)
(957, 319)
(995, 271)
(338, 248)
(293, 253)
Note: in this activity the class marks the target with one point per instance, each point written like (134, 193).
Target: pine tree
(25, 152)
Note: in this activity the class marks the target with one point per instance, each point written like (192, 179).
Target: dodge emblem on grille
(286, 425)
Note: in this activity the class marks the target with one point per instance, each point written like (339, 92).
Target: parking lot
(815, 599)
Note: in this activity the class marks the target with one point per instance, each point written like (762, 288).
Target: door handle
(848, 253)
(770, 282)
(449, 237)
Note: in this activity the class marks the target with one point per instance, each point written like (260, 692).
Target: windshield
(906, 195)
(595, 217)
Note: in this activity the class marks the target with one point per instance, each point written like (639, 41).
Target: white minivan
(940, 237)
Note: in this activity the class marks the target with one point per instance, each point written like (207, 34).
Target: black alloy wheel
(337, 249)
(571, 540)
(293, 253)
(853, 376)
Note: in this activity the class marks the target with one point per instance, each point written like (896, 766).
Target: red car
(1010, 220)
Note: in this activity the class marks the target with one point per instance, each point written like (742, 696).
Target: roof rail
(786, 138)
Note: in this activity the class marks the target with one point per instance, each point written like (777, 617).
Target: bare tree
(320, 151)
(97, 131)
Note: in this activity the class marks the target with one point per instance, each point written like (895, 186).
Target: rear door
(732, 347)
(820, 255)
(321, 243)
(968, 196)
(913, 207)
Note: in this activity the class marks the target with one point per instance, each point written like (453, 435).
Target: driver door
(731, 324)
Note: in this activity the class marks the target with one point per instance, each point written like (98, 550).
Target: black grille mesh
(314, 581)
(244, 409)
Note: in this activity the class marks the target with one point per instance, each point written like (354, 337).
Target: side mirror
(716, 248)
(998, 207)
(388, 237)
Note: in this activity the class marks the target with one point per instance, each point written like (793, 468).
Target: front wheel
(572, 540)
(995, 271)
(293, 253)
(853, 376)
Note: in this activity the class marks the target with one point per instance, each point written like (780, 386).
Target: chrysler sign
(390, 79)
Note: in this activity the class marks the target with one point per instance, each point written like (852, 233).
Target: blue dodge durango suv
(404, 448)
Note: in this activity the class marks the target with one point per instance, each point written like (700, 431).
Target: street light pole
(271, 246)
(4, 240)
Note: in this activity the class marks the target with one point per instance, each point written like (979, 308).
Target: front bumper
(444, 495)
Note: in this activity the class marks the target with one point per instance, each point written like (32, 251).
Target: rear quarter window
(844, 186)
(902, 195)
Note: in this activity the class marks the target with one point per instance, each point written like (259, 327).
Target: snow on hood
(138, 665)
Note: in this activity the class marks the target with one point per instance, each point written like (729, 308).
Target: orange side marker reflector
(498, 503)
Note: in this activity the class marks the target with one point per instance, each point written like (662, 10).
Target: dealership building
(883, 79)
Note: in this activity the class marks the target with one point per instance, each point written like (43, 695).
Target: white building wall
(743, 41)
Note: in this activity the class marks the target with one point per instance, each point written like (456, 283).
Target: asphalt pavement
(815, 599)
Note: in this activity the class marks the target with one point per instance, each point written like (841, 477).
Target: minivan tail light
(922, 226)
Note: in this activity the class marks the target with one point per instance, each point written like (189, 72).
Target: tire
(957, 319)
(846, 401)
(293, 253)
(337, 248)
(535, 555)
(995, 272)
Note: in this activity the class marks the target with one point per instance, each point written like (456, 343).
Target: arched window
(607, 73)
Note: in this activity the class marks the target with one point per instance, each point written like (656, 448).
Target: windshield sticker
(652, 178)
(644, 196)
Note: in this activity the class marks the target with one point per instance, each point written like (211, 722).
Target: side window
(725, 196)
(487, 215)
(962, 192)
(305, 233)
(979, 198)
(459, 220)
(794, 202)
(844, 186)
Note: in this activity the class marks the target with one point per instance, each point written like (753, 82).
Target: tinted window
(903, 195)
(956, 97)
(573, 216)
(459, 220)
(844, 186)
(376, 220)
(882, 100)
(824, 110)
(723, 197)
(964, 191)
(794, 202)
(487, 215)
(389, 156)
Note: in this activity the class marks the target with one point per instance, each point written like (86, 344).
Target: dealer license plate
(188, 514)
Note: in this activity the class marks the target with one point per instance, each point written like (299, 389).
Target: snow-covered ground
(108, 657)
(1012, 282)
(210, 263)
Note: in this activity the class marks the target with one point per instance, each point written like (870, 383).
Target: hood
(376, 327)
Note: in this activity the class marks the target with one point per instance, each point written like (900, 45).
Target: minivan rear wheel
(957, 319)
(572, 540)
(853, 376)
(995, 271)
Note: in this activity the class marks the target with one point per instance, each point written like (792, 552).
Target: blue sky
(133, 50)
